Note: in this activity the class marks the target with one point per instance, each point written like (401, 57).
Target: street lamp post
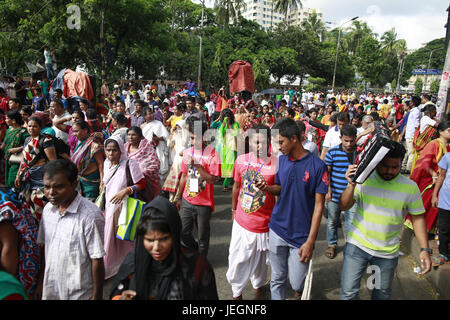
(337, 51)
(428, 67)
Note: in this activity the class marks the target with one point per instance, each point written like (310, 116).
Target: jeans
(284, 257)
(444, 231)
(50, 72)
(199, 215)
(355, 264)
(334, 214)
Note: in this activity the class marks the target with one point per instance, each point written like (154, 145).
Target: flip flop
(330, 252)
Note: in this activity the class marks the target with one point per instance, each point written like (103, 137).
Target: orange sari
(428, 159)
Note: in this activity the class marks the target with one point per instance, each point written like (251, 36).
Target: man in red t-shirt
(200, 168)
(252, 208)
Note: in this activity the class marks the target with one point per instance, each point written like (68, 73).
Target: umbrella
(272, 91)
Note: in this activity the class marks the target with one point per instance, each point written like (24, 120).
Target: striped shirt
(338, 160)
(381, 208)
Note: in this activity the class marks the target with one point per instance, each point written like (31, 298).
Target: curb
(438, 277)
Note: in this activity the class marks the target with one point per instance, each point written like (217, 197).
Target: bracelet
(130, 190)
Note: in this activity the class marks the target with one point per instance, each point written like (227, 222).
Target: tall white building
(263, 13)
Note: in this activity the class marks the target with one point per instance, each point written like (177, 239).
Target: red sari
(429, 158)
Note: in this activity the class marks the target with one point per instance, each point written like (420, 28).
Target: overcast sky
(416, 21)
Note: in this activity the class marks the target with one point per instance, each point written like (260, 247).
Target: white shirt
(413, 122)
(311, 147)
(425, 122)
(59, 133)
(332, 138)
(210, 105)
(71, 241)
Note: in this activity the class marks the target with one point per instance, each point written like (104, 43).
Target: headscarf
(143, 260)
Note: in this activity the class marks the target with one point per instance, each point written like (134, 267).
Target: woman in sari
(227, 146)
(72, 141)
(178, 141)
(38, 150)
(426, 172)
(89, 157)
(24, 262)
(13, 144)
(115, 180)
(139, 149)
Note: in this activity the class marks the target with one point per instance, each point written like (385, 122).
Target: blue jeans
(50, 72)
(284, 257)
(334, 214)
(355, 264)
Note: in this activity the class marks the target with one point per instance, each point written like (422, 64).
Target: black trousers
(444, 231)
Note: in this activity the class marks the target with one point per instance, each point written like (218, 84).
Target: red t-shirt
(4, 104)
(210, 160)
(255, 219)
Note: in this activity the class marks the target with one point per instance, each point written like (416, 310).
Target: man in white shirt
(411, 126)
(333, 136)
(209, 105)
(57, 108)
(71, 234)
(427, 119)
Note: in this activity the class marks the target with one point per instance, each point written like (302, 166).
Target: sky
(416, 21)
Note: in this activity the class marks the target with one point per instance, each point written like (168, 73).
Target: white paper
(123, 213)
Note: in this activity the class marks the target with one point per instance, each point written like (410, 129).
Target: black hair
(398, 152)
(140, 102)
(79, 112)
(375, 116)
(444, 125)
(429, 108)
(120, 118)
(288, 128)
(91, 113)
(192, 99)
(181, 106)
(108, 141)
(15, 115)
(416, 101)
(259, 128)
(190, 122)
(16, 100)
(27, 110)
(427, 96)
(385, 101)
(349, 130)
(291, 112)
(137, 130)
(83, 125)
(64, 166)
(333, 118)
(58, 102)
(343, 116)
(228, 113)
(152, 220)
(37, 120)
(301, 125)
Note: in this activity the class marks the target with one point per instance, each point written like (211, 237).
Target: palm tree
(228, 11)
(358, 32)
(389, 40)
(314, 25)
(284, 6)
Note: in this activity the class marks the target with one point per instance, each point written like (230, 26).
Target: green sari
(14, 138)
(227, 148)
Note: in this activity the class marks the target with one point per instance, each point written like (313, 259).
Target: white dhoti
(248, 259)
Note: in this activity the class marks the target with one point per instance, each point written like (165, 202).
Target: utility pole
(102, 43)
(443, 94)
(337, 51)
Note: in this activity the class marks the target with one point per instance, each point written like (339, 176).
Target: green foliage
(418, 85)
(434, 87)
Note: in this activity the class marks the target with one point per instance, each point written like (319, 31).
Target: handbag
(15, 158)
(129, 218)
(141, 195)
(101, 199)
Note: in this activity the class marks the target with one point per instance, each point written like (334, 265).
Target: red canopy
(240, 77)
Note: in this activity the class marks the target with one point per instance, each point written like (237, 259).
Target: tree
(315, 25)
(370, 62)
(418, 85)
(434, 87)
(284, 6)
(227, 11)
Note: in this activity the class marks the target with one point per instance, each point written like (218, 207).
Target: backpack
(60, 146)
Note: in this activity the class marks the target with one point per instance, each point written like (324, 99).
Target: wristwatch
(430, 251)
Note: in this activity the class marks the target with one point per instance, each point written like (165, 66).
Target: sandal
(439, 260)
(330, 252)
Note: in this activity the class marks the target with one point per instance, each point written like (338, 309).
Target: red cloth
(241, 77)
(4, 104)
(77, 84)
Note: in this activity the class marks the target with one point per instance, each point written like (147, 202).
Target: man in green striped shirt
(382, 202)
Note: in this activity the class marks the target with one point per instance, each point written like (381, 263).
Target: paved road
(326, 272)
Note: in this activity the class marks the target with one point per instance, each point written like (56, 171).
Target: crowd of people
(66, 172)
